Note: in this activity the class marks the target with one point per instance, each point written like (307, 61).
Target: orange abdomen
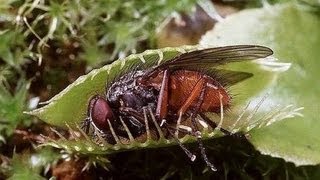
(181, 84)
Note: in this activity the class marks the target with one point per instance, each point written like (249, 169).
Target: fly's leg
(162, 105)
(167, 127)
(86, 125)
(213, 124)
(191, 156)
(87, 122)
(197, 95)
(135, 122)
(198, 133)
(224, 131)
(132, 112)
(201, 146)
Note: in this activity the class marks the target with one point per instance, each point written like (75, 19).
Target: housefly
(186, 87)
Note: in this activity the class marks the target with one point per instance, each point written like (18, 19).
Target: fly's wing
(218, 56)
(228, 77)
(205, 59)
(223, 76)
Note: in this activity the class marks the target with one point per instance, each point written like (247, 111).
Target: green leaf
(293, 32)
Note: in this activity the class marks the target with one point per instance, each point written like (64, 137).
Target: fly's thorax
(116, 90)
(127, 92)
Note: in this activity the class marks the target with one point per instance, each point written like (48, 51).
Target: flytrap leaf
(293, 32)
(69, 108)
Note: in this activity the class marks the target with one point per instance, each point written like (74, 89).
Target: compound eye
(100, 112)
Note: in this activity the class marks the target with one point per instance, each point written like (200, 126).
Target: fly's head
(99, 112)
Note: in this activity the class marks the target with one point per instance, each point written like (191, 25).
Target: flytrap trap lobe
(170, 100)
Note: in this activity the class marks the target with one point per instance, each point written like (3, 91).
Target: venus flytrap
(68, 109)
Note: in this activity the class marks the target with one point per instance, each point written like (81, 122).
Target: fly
(184, 88)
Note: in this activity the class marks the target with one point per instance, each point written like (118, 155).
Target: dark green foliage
(30, 165)
(12, 107)
(101, 28)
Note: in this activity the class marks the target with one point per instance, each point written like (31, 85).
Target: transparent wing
(219, 55)
(224, 76)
